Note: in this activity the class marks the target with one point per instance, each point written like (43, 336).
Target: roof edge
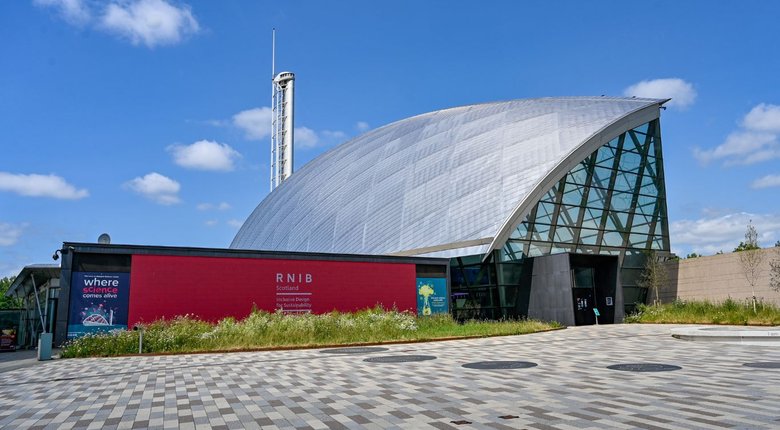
(628, 121)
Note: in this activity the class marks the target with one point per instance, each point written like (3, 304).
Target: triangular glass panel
(648, 178)
(521, 232)
(577, 176)
(630, 162)
(621, 201)
(643, 128)
(625, 181)
(592, 218)
(638, 240)
(605, 156)
(646, 200)
(564, 235)
(621, 219)
(558, 248)
(573, 195)
(601, 177)
(640, 228)
(541, 232)
(649, 189)
(614, 142)
(589, 237)
(612, 238)
(568, 215)
(544, 210)
(596, 198)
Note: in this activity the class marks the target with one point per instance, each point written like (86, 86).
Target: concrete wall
(551, 298)
(715, 278)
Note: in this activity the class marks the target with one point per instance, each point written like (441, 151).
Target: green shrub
(729, 312)
(263, 329)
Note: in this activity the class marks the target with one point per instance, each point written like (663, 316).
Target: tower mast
(282, 122)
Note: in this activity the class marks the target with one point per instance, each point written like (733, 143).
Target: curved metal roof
(446, 183)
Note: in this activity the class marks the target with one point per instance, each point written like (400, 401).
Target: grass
(262, 330)
(730, 312)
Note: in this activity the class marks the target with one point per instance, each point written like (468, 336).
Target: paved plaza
(569, 388)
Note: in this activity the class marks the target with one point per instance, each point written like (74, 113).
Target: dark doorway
(594, 282)
(583, 289)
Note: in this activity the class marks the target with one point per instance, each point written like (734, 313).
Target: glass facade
(612, 203)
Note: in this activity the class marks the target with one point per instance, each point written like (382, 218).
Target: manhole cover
(358, 350)
(644, 367)
(399, 358)
(764, 365)
(499, 365)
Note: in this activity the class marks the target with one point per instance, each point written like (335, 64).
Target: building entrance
(594, 289)
(584, 293)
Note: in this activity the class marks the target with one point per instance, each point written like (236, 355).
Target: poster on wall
(432, 296)
(98, 302)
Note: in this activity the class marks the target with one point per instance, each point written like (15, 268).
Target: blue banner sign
(432, 296)
(98, 302)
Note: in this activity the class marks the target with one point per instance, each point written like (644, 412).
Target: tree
(8, 302)
(693, 255)
(751, 258)
(654, 275)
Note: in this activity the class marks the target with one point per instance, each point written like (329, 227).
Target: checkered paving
(569, 389)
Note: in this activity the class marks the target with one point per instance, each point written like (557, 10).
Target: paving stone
(571, 388)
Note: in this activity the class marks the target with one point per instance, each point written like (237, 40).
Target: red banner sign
(212, 288)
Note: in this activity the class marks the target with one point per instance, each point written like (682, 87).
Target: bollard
(140, 331)
(44, 346)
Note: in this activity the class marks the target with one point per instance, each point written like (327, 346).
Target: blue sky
(146, 119)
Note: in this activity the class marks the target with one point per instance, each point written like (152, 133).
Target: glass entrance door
(584, 293)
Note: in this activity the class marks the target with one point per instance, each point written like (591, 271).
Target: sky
(149, 119)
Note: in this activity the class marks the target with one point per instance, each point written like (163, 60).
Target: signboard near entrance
(432, 296)
(98, 302)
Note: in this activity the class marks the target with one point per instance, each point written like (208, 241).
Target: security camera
(56, 255)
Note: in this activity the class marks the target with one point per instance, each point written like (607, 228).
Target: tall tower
(282, 122)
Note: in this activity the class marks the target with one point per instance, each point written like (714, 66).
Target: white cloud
(256, 125)
(10, 233)
(306, 138)
(149, 22)
(362, 126)
(757, 139)
(156, 187)
(763, 117)
(205, 155)
(741, 147)
(709, 235)
(256, 122)
(211, 223)
(222, 206)
(681, 92)
(334, 135)
(35, 185)
(142, 22)
(235, 223)
(766, 182)
(74, 12)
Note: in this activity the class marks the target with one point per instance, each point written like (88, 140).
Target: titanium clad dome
(447, 183)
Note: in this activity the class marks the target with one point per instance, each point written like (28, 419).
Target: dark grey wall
(551, 298)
